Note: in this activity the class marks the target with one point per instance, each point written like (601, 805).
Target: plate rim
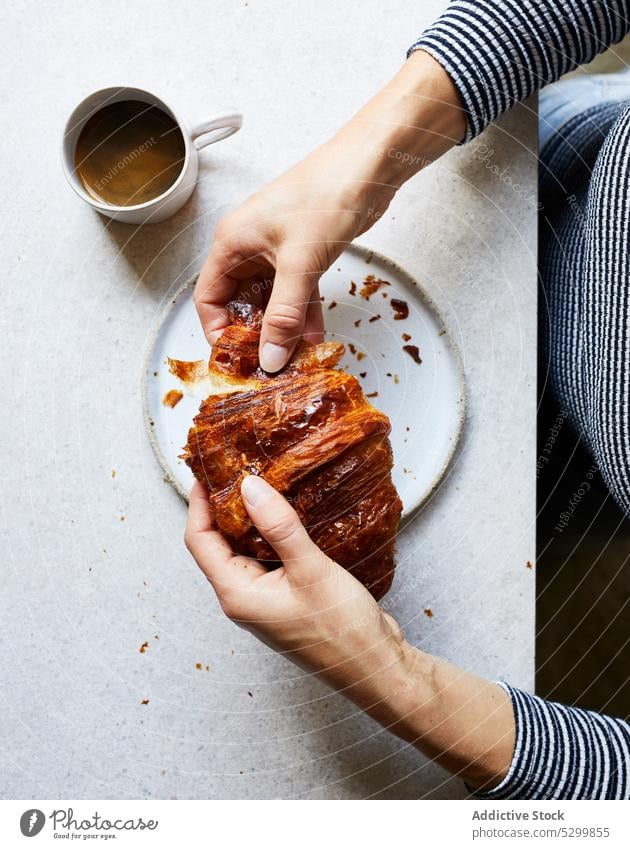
(361, 251)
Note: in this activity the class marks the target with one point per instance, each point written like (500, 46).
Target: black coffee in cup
(129, 152)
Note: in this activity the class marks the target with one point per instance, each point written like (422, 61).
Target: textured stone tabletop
(93, 564)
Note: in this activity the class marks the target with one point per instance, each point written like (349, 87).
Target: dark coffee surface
(129, 153)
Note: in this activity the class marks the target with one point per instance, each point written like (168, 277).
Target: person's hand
(310, 608)
(283, 238)
(319, 616)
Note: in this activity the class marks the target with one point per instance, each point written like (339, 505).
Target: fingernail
(254, 490)
(273, 357)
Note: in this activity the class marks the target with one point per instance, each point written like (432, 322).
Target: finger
(280, 525)
(211, 551)
(200, 516)
(314, 323)
(206, 544)
(251, 291)
(213, 290)
(284, 318)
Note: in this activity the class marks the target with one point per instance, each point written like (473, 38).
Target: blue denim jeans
(560, 102)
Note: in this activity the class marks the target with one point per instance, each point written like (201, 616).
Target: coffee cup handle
(209, 132)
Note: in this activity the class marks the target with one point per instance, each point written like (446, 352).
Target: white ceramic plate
(425, 402)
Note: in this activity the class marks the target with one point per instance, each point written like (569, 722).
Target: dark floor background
(583, 569)
(583, 577)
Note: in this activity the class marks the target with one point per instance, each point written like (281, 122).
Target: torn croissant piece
(313, 435)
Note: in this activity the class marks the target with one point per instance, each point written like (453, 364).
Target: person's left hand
(324, 620)
(310, 608)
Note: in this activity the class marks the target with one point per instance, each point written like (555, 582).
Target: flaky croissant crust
(313, 435)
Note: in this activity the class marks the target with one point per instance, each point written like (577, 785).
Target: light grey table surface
(82, 588)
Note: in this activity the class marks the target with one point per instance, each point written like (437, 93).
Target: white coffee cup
(166, 204)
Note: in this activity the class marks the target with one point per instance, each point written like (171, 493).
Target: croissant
(313, 435)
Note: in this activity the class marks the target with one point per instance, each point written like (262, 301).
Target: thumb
(285, 315)
(280, 525)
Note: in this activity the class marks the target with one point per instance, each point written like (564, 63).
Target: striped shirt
(564, 753)
(497, 54)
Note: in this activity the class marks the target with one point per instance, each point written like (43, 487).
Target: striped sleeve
(499, 52)
(564, 753)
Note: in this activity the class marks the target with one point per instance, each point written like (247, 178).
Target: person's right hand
(285, 236)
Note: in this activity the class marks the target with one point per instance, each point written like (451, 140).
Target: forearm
(460, 720)
(499, 52)
(323, 619)
(410, 123)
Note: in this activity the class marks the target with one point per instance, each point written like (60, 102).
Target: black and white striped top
(498, 52)
(564, 753)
